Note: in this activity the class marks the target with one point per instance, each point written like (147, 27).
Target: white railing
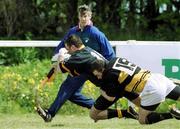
(38, 43)
(25, 43)
(48, 43)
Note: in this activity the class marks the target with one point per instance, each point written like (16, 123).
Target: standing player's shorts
(156, 89)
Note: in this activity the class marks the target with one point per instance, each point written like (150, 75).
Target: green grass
(33, 121)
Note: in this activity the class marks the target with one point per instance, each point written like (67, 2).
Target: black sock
(118, 113)
(126, 114)
(112, 113)
(156, 117)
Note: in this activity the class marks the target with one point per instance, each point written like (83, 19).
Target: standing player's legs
(71, 87)
(81, 100)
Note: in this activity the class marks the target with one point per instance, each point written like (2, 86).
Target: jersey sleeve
(75, 65)
(71, 68)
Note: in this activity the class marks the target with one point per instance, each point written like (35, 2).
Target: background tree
(119, 20)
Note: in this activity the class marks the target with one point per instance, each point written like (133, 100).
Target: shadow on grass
(57, 125)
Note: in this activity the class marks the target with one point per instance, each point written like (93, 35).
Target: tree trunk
(150, 13)
(131, 22)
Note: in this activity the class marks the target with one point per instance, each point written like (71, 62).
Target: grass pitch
(33, 121)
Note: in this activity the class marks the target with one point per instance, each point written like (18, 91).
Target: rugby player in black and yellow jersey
(79, 62)
(119, 76)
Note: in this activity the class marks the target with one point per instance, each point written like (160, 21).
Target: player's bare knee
(143, 117)
(92, 115)
(142, 120)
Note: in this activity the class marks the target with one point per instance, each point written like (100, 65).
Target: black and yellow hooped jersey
(120, 74)
(80, 61)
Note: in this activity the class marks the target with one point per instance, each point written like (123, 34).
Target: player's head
(73, 43)
(84, 14)
(97, 68)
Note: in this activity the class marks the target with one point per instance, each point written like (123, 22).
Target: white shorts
(156, 89)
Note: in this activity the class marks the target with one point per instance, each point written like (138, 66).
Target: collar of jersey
(79, 28)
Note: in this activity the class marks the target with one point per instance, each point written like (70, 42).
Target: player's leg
(81, 100)
(147, 115)
(66, 90)
(175, 95)
(100, 110)
(154, 92)
(64, 93)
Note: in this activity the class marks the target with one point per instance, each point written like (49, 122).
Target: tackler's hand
(63, 55)
(60, 55)
(59, 58)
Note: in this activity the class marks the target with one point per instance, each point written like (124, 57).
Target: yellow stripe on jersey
(75, 72)
(122, 76)
(138, 82)
(66, 69)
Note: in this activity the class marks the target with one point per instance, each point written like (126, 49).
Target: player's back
(81, 61)
(127, 75)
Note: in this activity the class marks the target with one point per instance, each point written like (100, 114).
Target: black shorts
(150, 108)
(102, 104)
(174, 94)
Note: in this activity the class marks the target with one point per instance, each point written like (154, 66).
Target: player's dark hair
(98, 65)
(84, 8)
(74, 40)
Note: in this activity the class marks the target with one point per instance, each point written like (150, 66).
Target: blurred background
(118, 19)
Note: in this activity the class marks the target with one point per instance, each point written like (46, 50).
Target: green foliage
(18, 84)
(13, 56)
(43, 19)
(169, 29)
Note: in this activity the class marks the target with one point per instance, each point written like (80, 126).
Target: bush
(14, 56)
(18, 84)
